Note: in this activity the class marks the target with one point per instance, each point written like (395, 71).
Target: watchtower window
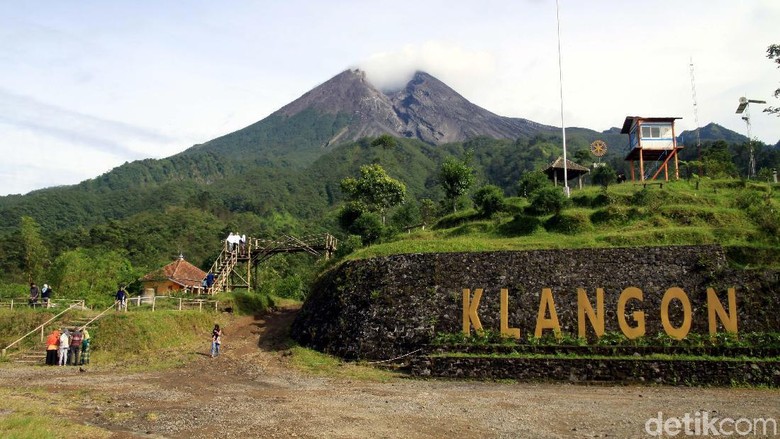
(656, 132)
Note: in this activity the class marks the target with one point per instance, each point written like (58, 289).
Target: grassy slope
(677, 214)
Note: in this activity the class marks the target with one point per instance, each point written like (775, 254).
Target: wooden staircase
(222, 268)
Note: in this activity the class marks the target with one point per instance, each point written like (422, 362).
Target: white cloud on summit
(392, 70)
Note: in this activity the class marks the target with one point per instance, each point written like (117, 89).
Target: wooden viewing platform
(235, 268)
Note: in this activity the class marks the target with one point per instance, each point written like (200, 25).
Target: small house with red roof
(177, 276)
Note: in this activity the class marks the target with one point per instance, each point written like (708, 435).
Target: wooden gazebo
(555, 171)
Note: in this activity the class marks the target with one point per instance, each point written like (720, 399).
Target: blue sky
(88, 85)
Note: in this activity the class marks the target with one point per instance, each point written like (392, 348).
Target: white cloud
(391, 70)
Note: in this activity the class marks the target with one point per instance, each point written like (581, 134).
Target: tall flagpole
(560, 81)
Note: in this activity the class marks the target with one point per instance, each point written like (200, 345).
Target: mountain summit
(425, 108)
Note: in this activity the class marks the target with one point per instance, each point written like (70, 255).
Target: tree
(773, 53)
(386, 141)
(531, 182)
(489, 199)
(36, 255)
(604, 175)
(377, 190)
(455, 177)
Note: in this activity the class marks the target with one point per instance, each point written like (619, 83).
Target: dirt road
(252, 391)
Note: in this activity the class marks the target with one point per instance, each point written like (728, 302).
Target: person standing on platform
(34, 293)
(230, 242)
(45, 295)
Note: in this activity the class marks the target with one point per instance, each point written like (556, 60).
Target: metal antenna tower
(744, 108)
(696, 115)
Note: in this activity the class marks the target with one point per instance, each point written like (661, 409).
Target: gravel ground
(252, 391)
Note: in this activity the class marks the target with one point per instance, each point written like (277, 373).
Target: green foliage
(350, 212)
(531, 182)
(93, 275)
(385, 141)
(455, 177)
(521, 225)
(369, 227)
(245, 303)
(489, 199)
(122, 335)
(570, 223)
(617, 215)
(547, 200)
(349, 245)
(36, 254)
(603, 176)
(377, 190)
(773, 53)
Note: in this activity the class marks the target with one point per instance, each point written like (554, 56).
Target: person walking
(121, 299)
(85, 348)
(216, 340)
(52, 344)
(63, 347)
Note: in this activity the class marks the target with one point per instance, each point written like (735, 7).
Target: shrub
(531, 182)
(349, 245)
(603, 175)
(570, 223)
(350, 213)
(369, 227)
(489, 199)
(547, 200)
(521, 225)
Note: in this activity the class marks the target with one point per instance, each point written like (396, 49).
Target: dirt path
(251, 390)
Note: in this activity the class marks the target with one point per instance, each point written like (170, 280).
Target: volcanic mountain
(348, 107)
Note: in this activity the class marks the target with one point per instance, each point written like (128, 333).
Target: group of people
(67, 347)
(44, 294)
(236, 242)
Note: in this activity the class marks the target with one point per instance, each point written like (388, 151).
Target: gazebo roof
(572, 169)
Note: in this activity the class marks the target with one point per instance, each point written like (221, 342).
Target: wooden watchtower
(653, 143)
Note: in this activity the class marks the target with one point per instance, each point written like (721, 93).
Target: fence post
(200, 306)
(216, 302)
(12, 303)
(154, 299)
(179, 303)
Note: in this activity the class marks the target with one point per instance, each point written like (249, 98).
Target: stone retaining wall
(384, 307)
(675, 372)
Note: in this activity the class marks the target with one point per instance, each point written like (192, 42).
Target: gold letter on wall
(679, 294)
(547, 302)
(639, 316)
(715, 307)
(585, 308)
(470, 315)
(506, 331)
